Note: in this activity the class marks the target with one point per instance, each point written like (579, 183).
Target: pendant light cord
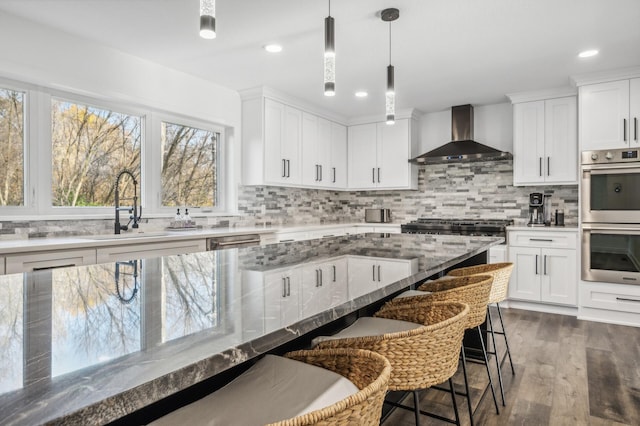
(389, 42)
(329, 7)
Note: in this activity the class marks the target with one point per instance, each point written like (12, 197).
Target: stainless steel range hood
(462, 147)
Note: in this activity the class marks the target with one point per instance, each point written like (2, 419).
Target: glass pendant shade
(390, 97)
(329, 58)
(208, 19)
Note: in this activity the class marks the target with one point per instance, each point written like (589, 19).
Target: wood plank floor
(568, 372)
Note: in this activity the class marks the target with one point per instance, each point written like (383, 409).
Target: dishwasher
(232, 241)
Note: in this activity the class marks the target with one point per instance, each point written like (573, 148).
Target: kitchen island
(91, 344)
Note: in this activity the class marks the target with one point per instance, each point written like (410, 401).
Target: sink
(126, 236)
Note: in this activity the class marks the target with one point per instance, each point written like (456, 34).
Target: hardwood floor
(568, 372)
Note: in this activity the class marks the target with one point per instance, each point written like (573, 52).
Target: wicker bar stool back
(501, 273)
(472, 290)
(369, 371)
(421, 357)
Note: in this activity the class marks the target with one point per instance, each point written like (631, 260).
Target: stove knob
(594, 156)
(609, 156)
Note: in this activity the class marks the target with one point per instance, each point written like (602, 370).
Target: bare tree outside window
(90, 147)
(11, 148)
(189, 166)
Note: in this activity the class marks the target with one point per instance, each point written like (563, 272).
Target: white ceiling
(446, 52)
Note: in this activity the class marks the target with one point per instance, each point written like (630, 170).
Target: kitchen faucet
(135, 217)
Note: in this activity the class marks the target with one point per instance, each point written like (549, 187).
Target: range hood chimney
(462, 146)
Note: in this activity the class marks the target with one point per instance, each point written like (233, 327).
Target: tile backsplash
(456, 190)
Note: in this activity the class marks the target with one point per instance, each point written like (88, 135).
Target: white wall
(493, 126)
(48, 57)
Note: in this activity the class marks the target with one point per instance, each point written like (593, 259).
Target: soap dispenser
(178, 216)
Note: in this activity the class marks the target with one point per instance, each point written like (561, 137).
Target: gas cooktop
(457, 226)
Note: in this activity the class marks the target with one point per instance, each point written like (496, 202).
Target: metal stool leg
(416, 405)
(466, 384)
(495, 352)
(455, 404)
(486, 363)
(504, 333)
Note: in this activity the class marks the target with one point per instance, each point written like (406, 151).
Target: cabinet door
(28, 262)
(337, 171)
(559, 276)
(525, 278)
(634, 112)
(561, 140)
(324, 152)
(281, 304)
(362, 156)
(290, 147)
(291, 304)
(335, 277)
(604, 115)
(310, 163)
(362, 276)
(390, 271)
(315, 291)
(528, 142)
(274, 162)
(393, 167)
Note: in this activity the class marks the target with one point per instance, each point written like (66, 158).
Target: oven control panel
(610, 156)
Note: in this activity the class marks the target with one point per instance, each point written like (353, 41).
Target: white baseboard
(540, 307)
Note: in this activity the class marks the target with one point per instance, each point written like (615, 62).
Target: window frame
(37, 156)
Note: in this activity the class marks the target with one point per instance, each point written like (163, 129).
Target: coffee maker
(536, 209)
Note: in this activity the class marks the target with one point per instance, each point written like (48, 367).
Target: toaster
(377, 215)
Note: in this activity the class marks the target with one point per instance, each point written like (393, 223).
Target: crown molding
(539, 95)
(605, 76)
(405, 113)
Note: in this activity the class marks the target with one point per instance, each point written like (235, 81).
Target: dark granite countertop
(90, 344)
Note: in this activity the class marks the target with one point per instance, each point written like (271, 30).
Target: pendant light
(329, 56)
(208, 19)
(390, 15)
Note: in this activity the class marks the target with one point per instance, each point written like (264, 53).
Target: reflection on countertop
(92, 343)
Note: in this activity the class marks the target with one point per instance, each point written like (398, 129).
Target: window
(189, 166)
(11, 147)
(90, 146)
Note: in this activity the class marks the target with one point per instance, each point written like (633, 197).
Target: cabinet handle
(629, 279)
(626, 299)
(320, 172)
(316, 179)
(635, 129)
(334, 273)
(378, 174)
(46, 268)
(373, 175)
(540, 166)
(321, 283)
(545, 264)
(536, 264)
(378, 273)
(317, 279)
(288, 168)
(284, 168)
(374, 272)
(548, 167)
(284, 287)
(624, 128)
(288, 286)
(541, 239)
(334, 175)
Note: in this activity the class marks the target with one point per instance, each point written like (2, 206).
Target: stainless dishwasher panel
(232, 241)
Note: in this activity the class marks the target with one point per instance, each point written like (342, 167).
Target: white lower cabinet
(281, 298)
(48, 260)
(1, 265)
(607, 302)
(542, 271)
(324, 284)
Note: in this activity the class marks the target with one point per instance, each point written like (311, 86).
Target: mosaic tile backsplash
(457, 190)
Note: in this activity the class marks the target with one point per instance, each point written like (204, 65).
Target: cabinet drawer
(613, 297)
(284, 237)
(1, 265)
(142, 251)
(543, 239)
(49, 260)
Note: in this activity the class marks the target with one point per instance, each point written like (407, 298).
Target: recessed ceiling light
(273, 48)
(588, 53)
(361, 94)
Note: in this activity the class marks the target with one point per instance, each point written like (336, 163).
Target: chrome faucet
(135, 214)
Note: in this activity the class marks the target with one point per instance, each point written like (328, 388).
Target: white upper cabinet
(609, 115)
(545, 144)
(379, 155)
(282, 136)
(324, 152)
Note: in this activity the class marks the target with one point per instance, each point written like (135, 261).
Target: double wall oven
(610, 194)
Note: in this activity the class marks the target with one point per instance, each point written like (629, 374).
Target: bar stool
(473, 291)
(421, 340)
(322, 387)
(501, 273)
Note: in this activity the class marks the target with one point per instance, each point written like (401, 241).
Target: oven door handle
(606, 169)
